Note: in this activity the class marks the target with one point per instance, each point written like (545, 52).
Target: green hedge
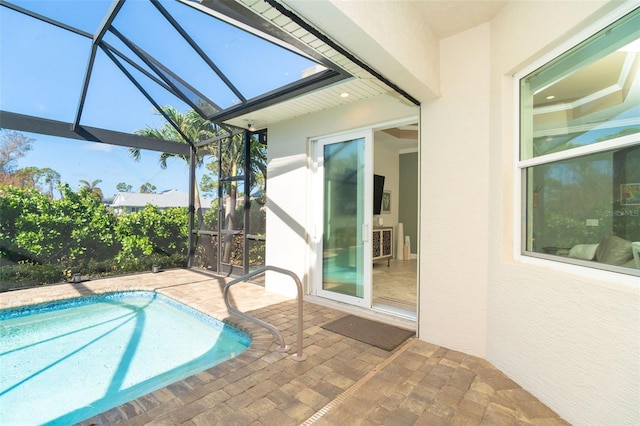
(44, 241)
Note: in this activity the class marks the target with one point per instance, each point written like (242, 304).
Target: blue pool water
(63, 362)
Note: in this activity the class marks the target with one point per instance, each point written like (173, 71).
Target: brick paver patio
(342, 382)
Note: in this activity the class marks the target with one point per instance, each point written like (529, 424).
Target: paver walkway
(342, 382)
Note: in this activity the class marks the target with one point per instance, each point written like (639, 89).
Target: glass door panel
(345, 254)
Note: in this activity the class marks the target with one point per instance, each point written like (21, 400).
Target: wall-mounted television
(378, 188)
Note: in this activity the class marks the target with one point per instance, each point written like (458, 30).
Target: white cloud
(95, 146)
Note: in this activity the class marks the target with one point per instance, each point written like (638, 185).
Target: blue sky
(42, 68)
(78, 160)
(52, 91)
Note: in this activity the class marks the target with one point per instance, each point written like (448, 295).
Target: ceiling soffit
(366, 82)
(443, 18)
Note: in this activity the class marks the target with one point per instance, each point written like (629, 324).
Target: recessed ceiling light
(550, 97)
(344, 95)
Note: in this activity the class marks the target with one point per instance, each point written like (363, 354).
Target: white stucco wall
(288, 176)
(572, 339)
(454, 197)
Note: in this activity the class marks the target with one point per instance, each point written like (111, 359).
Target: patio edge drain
(357, 385)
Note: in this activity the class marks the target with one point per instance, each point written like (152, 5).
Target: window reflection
(579, 204)
(583, 206)
(589, 95)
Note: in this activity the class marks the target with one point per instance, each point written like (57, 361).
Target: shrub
(152, 231)
(144, 263)
(27, 274)
(44, 241)
(68, 231)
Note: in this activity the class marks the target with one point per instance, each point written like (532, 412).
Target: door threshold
(394, 310)
(385, 316)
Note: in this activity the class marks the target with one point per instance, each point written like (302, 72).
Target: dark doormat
(374, 333)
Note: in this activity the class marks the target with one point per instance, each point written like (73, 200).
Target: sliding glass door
(342, 200)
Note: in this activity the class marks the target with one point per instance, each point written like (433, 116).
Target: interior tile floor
(396, 285)
(342, 382)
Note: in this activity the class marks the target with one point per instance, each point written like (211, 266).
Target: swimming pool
(63, 362)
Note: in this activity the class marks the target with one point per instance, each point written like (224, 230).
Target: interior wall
(408, 197)
(386, 163)
(288, 173)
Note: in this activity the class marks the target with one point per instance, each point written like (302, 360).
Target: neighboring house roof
(165, 199)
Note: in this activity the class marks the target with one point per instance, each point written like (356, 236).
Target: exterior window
(580, 152)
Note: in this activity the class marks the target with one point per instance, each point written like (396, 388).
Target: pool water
(63, 362)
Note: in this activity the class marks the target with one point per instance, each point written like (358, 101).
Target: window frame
(587, 269)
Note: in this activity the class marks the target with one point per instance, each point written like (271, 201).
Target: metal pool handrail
(283, 347)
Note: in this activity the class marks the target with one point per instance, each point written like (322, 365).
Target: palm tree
(197, 129)
(233, 159)
(51, 179)
(124, 187)
(194, 127)
(147, 188)
(92, 188)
